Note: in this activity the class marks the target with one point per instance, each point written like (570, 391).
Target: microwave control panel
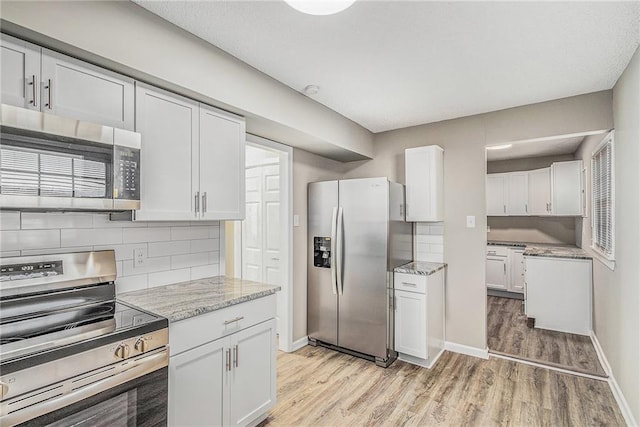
(126, 176)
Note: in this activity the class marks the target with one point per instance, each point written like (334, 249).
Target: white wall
(177, 251)
(123, 36)
(617, 293)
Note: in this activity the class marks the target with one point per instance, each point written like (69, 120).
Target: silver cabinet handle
(504, 208)
(237, 319)
(411, 285)
(197, 203)
(204, 202)
(505, 268)
(235, 355)
(228, 359)
(33, 88)
(275, 259)
(526, 208)
(49, 89)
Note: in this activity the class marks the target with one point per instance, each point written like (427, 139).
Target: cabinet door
(411, 323)
(496, 204)
(73, 88)
(540, 191)
(497, 272)
(169, 127)
(567, 188)
(221, 163)
(253, 375)
(20, 66)
(198, 385)
(516, 283)
(517, 193)
(424, 183)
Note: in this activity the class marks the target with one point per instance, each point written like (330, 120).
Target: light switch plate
(471, 221)
(296, 220)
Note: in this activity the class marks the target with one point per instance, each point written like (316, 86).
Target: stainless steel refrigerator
(357, 236)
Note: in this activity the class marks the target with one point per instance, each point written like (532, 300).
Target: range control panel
(126, 174)
(30, 270)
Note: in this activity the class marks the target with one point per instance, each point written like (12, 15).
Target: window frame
(607, 258)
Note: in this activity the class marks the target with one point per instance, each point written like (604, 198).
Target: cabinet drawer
(497, 250)
(189, 333)
(410, 282)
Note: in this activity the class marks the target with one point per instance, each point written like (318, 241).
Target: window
(602, 198)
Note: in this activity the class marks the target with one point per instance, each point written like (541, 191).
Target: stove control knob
(122, 351)
(4, 389)
(141, 345)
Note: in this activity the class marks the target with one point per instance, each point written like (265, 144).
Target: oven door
(136, 396)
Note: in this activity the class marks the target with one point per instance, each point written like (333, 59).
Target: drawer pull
(237, 319)
(412, 285)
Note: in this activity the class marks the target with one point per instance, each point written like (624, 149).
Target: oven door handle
(128, 370)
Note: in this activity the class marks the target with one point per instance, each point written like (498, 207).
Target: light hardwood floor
(507, 333)
(321, 387)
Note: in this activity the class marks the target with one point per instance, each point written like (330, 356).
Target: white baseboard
(613, 384)
(435, 359)
(297, 345)
(465, 349)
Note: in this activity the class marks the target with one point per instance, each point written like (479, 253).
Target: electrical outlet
(139, 257)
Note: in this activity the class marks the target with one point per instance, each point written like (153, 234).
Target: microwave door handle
(340, 248)
(334, 283)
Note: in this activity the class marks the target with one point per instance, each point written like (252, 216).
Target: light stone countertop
(188, 299)
(546, 249)
(421, 268)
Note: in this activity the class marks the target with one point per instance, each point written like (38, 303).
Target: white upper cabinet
(192, 157)
(496, 194)
(44, 80)
(424, 177)
(540, 191)
(517, 193)
(73, 88)
(20, 62)
(169, 127)
(221, 164)
(566, 178)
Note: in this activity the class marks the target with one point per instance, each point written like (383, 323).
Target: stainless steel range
(70, 354)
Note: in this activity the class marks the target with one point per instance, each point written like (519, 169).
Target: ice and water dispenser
(322, 252)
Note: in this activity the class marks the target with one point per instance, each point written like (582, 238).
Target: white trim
(597, 255)
(551, 368)
(613, 384)
(298, 344)
(465, 349)
(222, 257)
(607, 260)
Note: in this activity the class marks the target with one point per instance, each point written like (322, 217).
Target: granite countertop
(422, 268)
(546, 249)
(188, 299)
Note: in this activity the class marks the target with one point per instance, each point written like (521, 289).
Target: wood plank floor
(321, 387)
(507, 333)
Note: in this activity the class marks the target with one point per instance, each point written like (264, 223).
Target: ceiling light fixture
(499, 147)
(311, 90)
(320, 7)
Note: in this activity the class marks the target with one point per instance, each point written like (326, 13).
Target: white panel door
(539, 183)
(252, 231)
(496, 203)
(20, 69)
(198, 386)
(411, 323)
(169, 127)
(222, 151)
(252, 390)
(73, 88)
(517, 193)
(567, 188)
(497, 272)
(516, 262)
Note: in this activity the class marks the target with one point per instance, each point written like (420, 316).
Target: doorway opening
(259, 247)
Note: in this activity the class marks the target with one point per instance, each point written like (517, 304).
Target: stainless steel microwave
(48, 162)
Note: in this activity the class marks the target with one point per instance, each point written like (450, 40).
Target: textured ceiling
(540, 148)
(391, 64)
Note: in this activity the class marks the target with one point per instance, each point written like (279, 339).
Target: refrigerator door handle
(334, 220)
(340, 247)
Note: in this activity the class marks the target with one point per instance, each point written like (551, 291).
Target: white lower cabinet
(505, 268)
(226, 380)
(419, 317)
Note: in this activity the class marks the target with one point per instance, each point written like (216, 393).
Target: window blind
(602, 201)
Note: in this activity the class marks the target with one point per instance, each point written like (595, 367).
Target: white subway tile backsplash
(205, 271)
(214, 232)
(151, 265)
(191, 233)
(42, 220)
(90, 236)
(136, 235)
(205, 245)
(436, 249)
(168, 248)
(9, 220)
(124, 251)
(7, 254)
(132, 283)
(14, 240)
(103, 221)
(429, 242)
(189, 260)
(28, 252)
(436, 229)
(168, 277)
